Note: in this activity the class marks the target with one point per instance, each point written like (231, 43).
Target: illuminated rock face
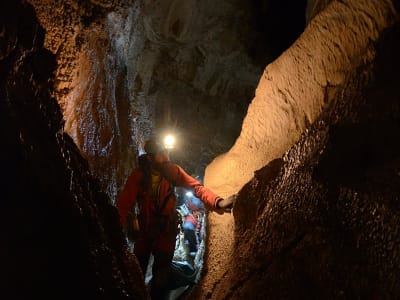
(140, 68)
(296, 87)
(316, 164)
(60, 235)
(318, 219)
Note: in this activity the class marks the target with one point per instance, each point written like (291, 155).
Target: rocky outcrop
(91, 83)
(296, 87)
(131, 69)
(60, 234)
(316, 166)
(320, 220)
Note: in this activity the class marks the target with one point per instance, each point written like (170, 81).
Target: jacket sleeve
(180, 178)
(128, 195)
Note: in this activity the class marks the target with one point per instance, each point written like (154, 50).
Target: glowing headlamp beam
(169, 141)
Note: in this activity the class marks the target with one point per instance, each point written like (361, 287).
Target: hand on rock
(225, 205)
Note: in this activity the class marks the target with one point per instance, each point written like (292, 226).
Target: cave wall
(322, 222)
(131, 69)
(337, 45)
(91, 83)
(295, 88)
(318, 219)
(60, 235)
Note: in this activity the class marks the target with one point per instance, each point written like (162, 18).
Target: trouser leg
(161, 275)
(142, 250)
(190, 239)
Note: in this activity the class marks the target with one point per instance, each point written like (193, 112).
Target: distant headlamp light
(169, 141)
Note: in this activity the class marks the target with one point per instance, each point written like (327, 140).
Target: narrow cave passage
(313, 217)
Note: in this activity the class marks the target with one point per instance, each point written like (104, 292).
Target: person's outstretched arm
(212, 201)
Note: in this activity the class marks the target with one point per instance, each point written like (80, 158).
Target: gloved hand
(225, 205)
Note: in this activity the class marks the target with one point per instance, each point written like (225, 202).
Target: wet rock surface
(132, 69)
(323, 221)
(319, 221)
(60, 235)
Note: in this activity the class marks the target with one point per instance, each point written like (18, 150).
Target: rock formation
(60, 234)
(310, 126)
(319, 220)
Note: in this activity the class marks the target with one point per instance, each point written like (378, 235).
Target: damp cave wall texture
(60, 235)
(319, 221)
(66, 241)
(128, 70)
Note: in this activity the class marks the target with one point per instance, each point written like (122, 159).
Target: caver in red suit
(151, 187)
(191, 229)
